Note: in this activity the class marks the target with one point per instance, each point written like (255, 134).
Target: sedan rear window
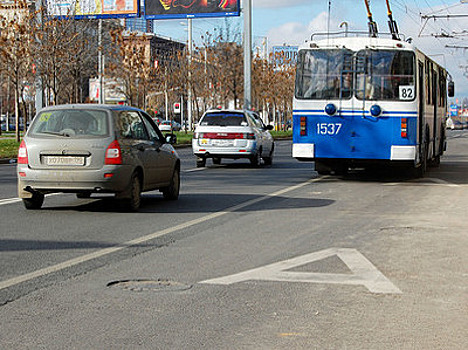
(71, 123)
(224, 119)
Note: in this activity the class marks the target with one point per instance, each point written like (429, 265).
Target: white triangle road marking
(363, 272)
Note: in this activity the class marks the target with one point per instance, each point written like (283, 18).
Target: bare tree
(15, 52)
(132, 66)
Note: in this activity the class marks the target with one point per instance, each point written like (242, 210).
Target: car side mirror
(451, 89)
(171, 138)
(269, 127)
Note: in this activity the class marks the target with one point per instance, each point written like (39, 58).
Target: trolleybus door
(422, 102)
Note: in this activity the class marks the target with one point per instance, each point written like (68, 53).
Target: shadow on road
(196, 203)
(453, 170)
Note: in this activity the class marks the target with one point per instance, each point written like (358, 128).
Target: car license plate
(222, 143)
(58, 160)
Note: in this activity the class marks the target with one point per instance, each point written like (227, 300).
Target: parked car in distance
(12, 127)
(157, 120)
(165, 125)
(88, 148)
(232, 134)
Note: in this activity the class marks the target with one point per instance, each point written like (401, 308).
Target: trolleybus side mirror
(451, 89)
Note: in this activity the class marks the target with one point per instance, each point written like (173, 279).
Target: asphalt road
(267, 258)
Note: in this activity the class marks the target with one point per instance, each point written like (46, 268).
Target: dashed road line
(103, 252)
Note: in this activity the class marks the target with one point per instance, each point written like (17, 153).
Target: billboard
(453, 110)
(171, 9)
(285, 54)
(113, 90)
(93, 8)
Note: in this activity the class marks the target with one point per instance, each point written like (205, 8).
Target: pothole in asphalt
(140, 285)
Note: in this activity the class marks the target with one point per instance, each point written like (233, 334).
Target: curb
(7, 160)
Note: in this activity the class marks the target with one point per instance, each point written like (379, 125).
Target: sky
(291, 22)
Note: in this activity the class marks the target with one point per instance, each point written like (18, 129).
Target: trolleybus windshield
(369, 74)
(388, 75)
(319, 74)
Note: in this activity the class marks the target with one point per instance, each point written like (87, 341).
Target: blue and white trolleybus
(362, 100)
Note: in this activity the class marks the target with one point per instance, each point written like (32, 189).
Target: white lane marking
(430, 182)
(364, 273)
(100, 253)
(9, 201)
(16, 200)
(194, 169)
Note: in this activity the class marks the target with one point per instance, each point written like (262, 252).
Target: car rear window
(71, 123)
(224, 119)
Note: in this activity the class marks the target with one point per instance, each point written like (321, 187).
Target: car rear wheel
(217, 160)
(255, 160)
(172, 191)
(133, 202)
(35, 202)
(201, 162)
(269, 160)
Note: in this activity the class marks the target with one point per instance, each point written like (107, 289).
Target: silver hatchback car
(87, 148)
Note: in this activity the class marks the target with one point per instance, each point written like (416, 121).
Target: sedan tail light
(113, 153)
(22, 153)
(225, 135)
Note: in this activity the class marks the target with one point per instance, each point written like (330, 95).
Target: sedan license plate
(59, 160)
(222, 143)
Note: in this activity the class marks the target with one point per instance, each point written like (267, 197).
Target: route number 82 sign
(406, 92)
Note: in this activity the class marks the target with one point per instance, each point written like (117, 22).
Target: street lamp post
(39, 102)
(247, 53)
(189, 85)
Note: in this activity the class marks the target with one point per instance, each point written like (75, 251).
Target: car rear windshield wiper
(56, 133)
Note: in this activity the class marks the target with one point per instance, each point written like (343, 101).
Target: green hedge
(9, 147)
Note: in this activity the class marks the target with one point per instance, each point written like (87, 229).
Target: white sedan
(232, 134)
(165, 125)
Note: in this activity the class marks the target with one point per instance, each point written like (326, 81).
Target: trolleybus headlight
(375, 110)
(330, 109)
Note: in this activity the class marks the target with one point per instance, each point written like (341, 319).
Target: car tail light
(303, 126)
(22, 153)
(225, 135)
(404, 127)
(113, 153)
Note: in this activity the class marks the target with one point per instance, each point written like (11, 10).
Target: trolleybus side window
(388, 75)
(442, 88)
(428, 82)
(322, 74)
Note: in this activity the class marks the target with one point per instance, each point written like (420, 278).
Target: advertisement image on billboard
(93, 8)
(171, 9)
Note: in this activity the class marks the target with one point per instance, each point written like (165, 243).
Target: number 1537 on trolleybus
(362, 101)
